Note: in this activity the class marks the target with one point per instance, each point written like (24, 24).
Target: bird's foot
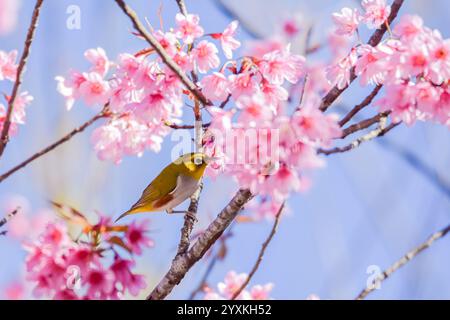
(188, 213)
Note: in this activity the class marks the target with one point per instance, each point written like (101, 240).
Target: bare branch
(19, 77)
(261, 254)
(374, 40)
(403, 261)
(188, 83)
(104, 113)
(182, 5)
(184, 262)
(368, 100)
(364, 124)
(8, 217)
(379, 132)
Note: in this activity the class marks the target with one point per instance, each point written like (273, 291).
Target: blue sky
(367, 207)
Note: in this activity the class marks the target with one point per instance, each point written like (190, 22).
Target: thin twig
(368, 100)
(364, 124)
(379, 132)
(403, 261)
(374, 40)
(104, 113)
(261, 254)
(188, 83)
(185, 126)
(19, 77)
(8, 217)
(182, 5)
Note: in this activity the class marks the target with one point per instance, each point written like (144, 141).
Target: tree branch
(374, 40)
(379, 132)
(364, 124)
(368, 100)
(403, 261)
(188, 83)
(19, 77)
(261, 253)
(102, 114)
(8, 217)
(184, 262)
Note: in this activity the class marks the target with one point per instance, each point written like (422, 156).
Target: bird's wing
(159, 190)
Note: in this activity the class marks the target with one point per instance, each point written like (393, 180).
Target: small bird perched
(176, 183)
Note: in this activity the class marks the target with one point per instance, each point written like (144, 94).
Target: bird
(176, 183)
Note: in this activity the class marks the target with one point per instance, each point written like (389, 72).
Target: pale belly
(186, 186)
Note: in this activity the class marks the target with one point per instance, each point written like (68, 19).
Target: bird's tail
(133, 210)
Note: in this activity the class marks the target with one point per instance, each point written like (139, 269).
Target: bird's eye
(198, 161)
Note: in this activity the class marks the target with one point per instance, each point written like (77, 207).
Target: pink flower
(409, 26)
(243, 84)
(8, 66)
(100, 283)
(227, 40)
(205, 55)
(99, 60)
(261, 292)
(280, 184)
(273, 94)
(278, 66)
(311, 123)
(188, 27)
(70, 88)
(215, 86)
(339, 74)
(231, 283)
(254, 110)
(347, 21)
(136, 237)
(168, 41)
(94, 90)
(439, 68)
(373, 64)
(14, 291)
(9, 10)
(376, 12)
(291, 27)
(131, 282)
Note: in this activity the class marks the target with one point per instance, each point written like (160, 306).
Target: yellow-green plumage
(173, 185)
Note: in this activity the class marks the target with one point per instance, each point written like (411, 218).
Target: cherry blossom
(188, 27)
(232, 283)
(227, 40)
(347, 21)
(376, 12)
(61, 268)
(205, 56)
(8, 66)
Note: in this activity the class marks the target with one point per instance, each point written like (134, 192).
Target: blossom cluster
(413, 64)
(232, 283)
(142, 93)
(8, 72)
(62, 268)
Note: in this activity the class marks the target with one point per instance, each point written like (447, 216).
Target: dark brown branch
(261, 254)
(403, 261)
(185, 126)
(181, 264)
(374, 40)
(368, 100)
(182, 6)
(364, 124)
(19, 77)
(191, 86)
(104, 113)
(379, 132)
(8, 217)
